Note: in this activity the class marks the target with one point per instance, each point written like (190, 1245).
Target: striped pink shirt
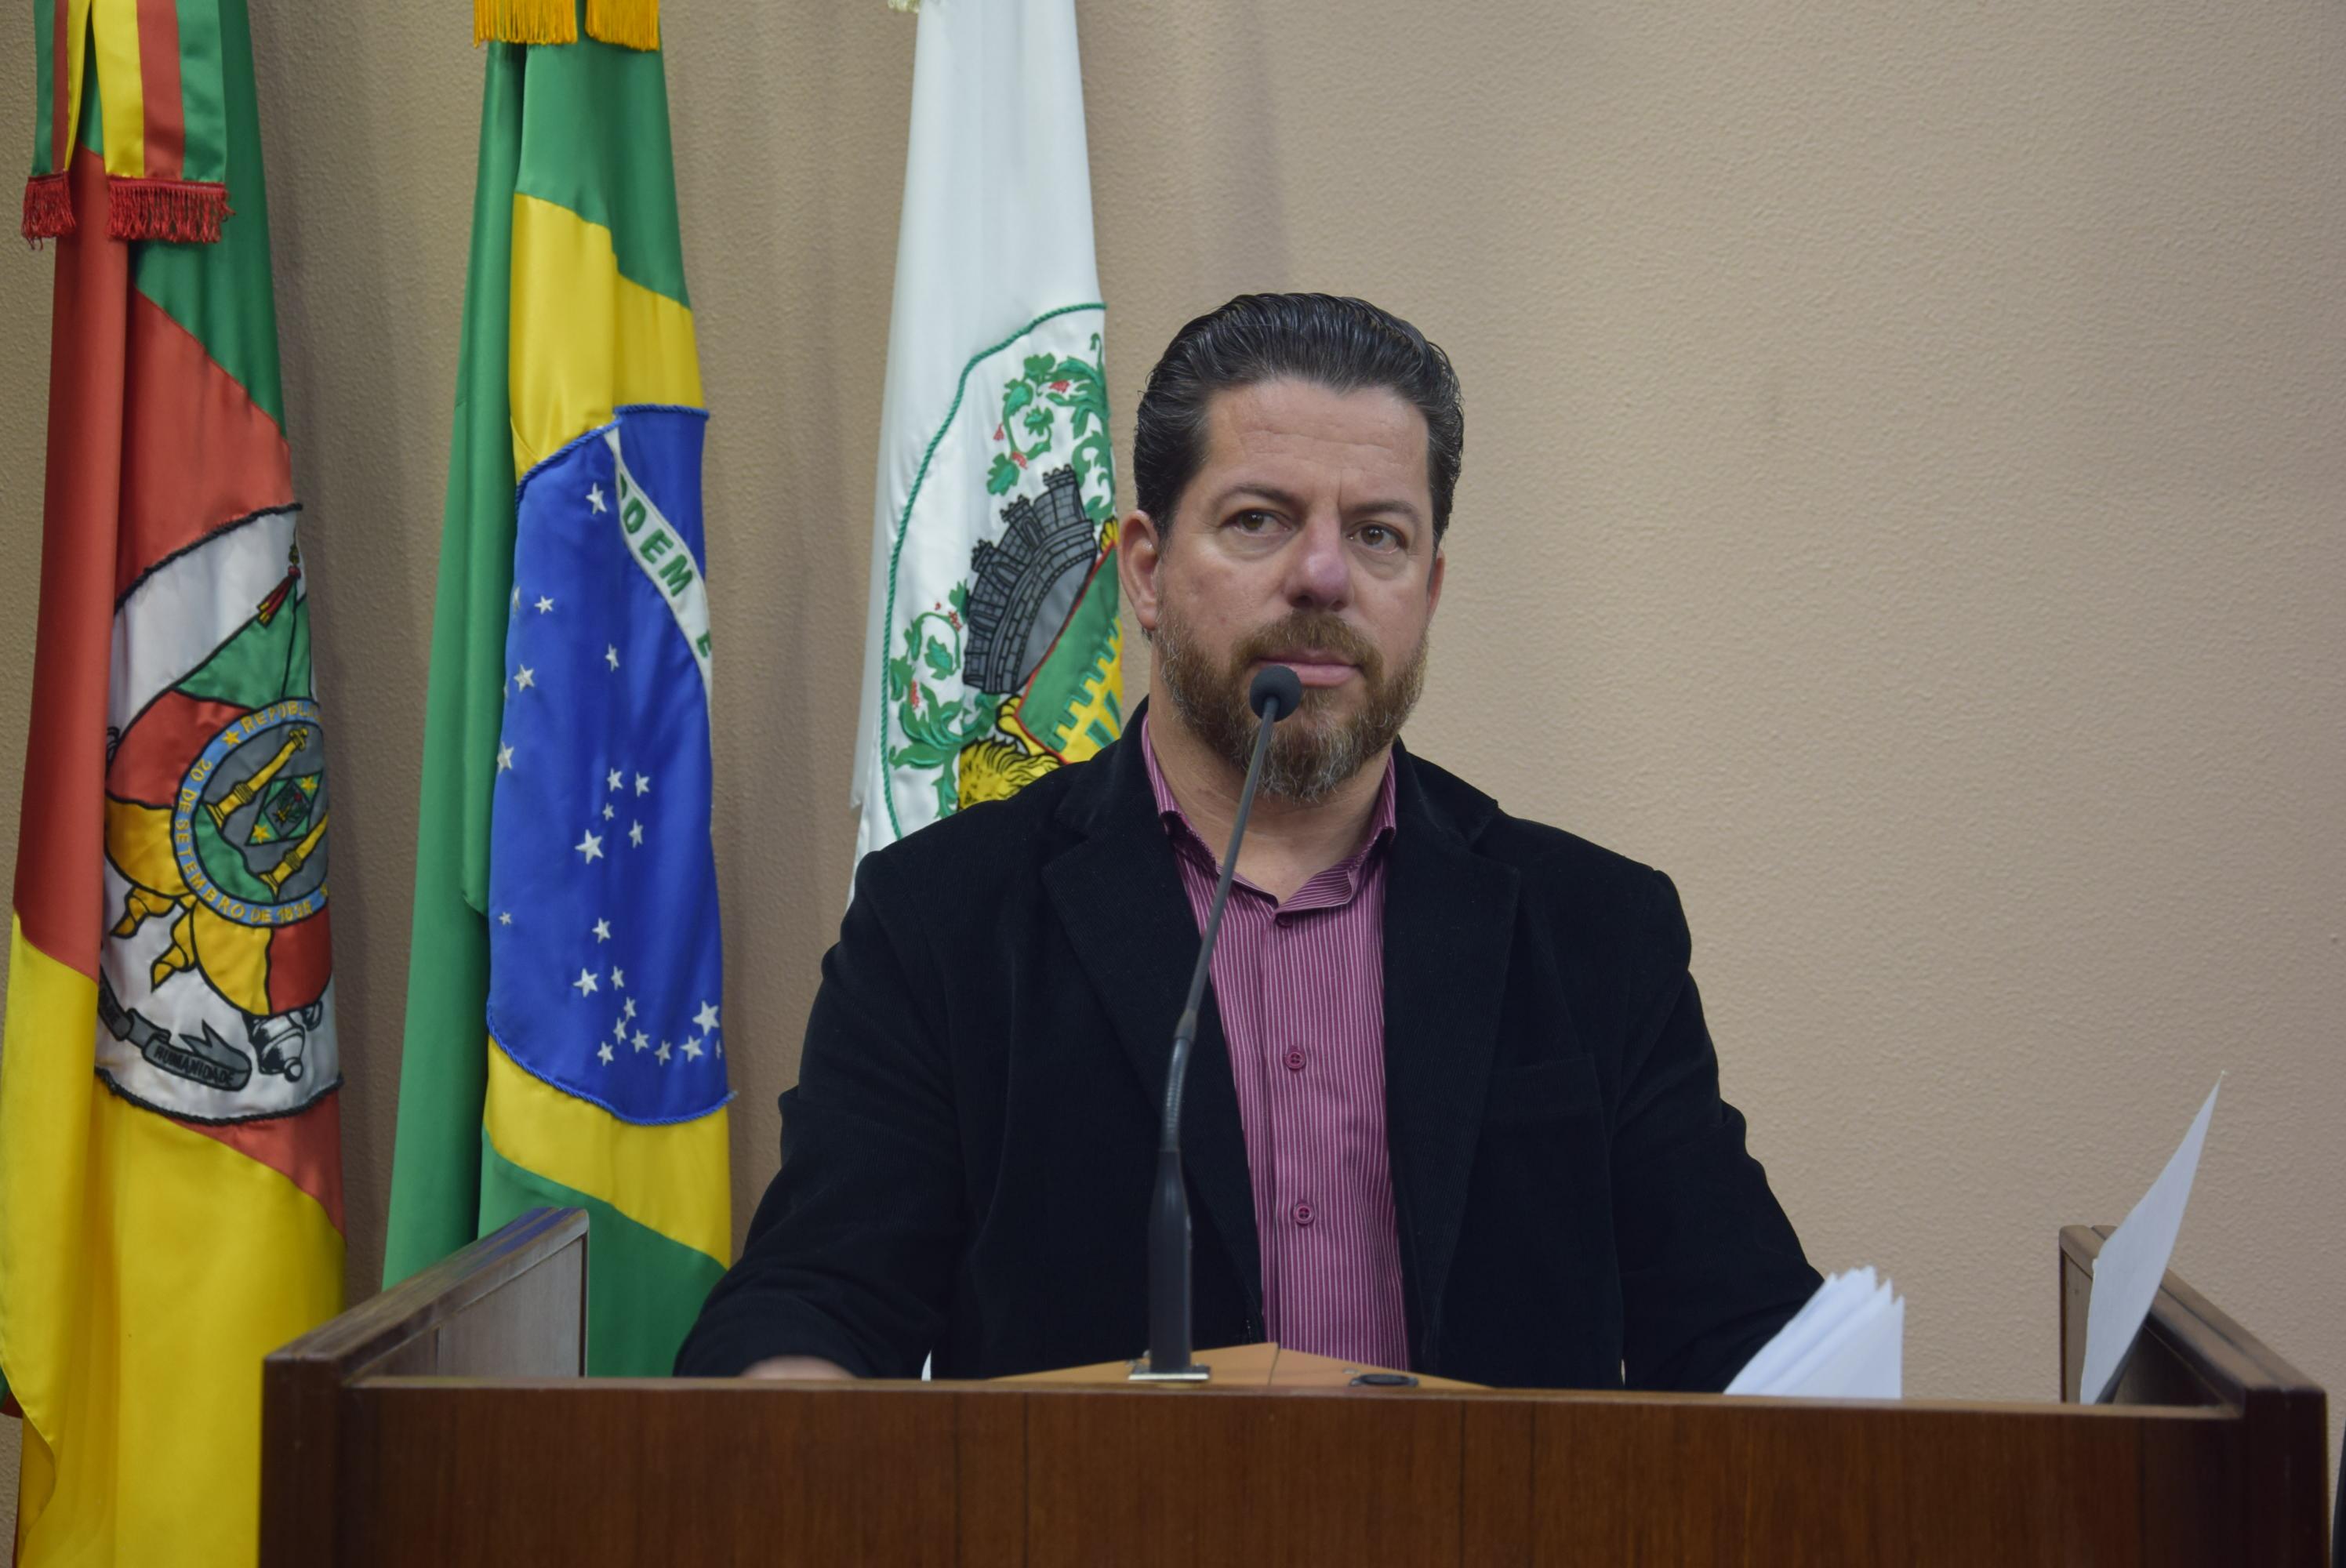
(1300, 987)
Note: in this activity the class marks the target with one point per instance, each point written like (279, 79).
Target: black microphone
(1276, 693)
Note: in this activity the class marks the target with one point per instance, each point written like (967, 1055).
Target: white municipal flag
(991, 651)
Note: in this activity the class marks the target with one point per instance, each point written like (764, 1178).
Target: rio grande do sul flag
(159, 69)
(991, 653)
(565, 1039)
(170, 1166)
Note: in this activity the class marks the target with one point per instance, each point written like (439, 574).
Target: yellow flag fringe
(630, 24)
(525, 22)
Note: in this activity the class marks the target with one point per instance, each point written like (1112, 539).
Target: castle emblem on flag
(1017, 669)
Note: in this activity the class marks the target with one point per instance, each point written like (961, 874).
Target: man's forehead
(1304, 429)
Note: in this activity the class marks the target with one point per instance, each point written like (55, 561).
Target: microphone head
(1277, 692)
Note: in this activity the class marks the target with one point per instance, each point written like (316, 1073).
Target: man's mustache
(1317, 631)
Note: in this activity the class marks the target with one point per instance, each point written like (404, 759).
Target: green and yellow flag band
(630, 24)
(156, 68)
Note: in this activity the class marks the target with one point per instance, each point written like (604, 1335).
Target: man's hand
(806, 1368)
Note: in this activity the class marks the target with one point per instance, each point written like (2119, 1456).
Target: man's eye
(1253, 522)
(1377, 536)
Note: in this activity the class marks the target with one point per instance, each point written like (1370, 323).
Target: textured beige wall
(1904, 502)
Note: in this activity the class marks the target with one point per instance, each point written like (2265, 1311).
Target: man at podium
(1453, 1106)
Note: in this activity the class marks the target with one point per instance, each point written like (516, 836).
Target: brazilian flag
(563, 1035)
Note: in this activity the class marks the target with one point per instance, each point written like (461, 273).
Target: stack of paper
(1847, 1343)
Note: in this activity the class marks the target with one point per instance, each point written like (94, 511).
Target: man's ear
(1433, 576)
(1139, 557)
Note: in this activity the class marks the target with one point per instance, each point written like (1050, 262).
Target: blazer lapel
(1449, 922)
(1118, 896)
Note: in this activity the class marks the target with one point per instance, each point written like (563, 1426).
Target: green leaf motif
(940, 659)
(1030, 408)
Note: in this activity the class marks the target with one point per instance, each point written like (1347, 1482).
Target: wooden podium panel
(1262, 1466)
(2191, 1353)
(457, 1471)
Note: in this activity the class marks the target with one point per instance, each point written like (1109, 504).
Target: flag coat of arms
(992, 649)
(170, 1175)
(565, 1041)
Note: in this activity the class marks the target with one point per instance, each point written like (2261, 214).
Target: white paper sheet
(2134, 1260)
(1848, 1342)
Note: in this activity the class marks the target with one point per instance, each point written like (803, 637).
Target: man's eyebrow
(1399, 504)
(1393, 505)
(1271, 493)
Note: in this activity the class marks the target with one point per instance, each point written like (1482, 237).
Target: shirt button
(1302, 1214)
(1295, 1061)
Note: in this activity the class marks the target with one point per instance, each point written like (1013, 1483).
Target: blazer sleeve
(1710, 1268)
(850, 1255)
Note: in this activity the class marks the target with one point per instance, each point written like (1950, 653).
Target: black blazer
(968, 1156)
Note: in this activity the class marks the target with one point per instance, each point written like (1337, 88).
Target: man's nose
(1318, 574)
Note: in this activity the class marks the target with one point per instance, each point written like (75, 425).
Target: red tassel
(48, 207)
(186, 210)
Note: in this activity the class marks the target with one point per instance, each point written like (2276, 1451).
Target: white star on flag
(619, 980)
(705, 1019)
(643, 785)
(619, 1028)
(603, 1054)
(611, 655)
(608, 813)
(516, 603)
(544, 605)
(631, 1007)
(662, 1054)
(585, 984)
(635, 834)
(614, 779)
(525, 680)
(504, 758)
(505, 919)
(602, 931)
(595, 499)
(642, 1040)
(592, 848)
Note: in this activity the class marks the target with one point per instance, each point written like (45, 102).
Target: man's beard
(1313, 752)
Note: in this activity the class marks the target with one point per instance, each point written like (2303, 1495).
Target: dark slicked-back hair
(1343, 344)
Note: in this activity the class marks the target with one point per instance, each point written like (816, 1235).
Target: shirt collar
(1177, 826)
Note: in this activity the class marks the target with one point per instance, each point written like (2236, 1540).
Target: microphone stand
(1276, 693)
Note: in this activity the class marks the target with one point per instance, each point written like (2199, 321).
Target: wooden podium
(446, 1421)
